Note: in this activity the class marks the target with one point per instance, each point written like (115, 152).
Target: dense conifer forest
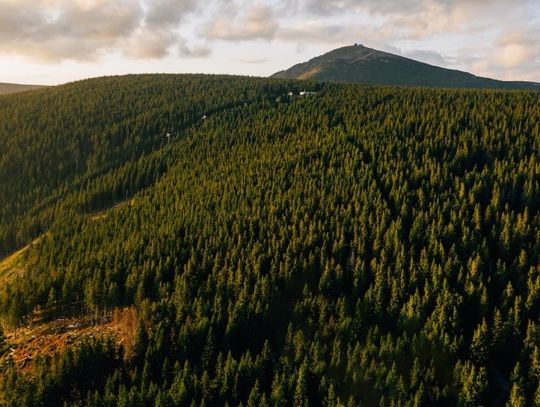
(361, 246)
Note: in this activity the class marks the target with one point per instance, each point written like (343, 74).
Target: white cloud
(256, 22)
(55, 30)
(514, 54)
(52, 30)
(519, 46)
(146, 43)
(495, 37)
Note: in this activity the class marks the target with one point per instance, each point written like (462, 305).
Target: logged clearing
(27, 343)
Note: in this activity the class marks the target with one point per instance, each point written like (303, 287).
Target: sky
(57, 41)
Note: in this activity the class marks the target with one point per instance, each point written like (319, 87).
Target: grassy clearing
(14, 265)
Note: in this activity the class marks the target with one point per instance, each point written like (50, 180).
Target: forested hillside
(361, 246)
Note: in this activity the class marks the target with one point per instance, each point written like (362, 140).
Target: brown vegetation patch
(29, 342)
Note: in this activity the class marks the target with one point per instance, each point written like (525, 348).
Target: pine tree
(330, 399)
(278, 392)
(517, 397)
(140, 343)
(474, 385)
(254, 398)
(536, 396)
(301, 390)
(517, 392)
(480, 348)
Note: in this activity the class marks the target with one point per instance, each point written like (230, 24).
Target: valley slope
(7, 88)
(365, 244)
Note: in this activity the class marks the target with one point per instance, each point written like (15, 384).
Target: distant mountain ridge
(359, 64)
(6, 88)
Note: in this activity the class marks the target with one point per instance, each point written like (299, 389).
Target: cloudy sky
(56, 41)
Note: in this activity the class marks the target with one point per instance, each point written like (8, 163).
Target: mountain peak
(360, 64)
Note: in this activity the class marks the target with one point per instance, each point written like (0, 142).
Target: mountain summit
(359, 64)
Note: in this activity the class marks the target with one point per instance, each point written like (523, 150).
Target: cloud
(157, 33)
(194, 51)
(255, 23)
(517, 51)
(319, 32)
(146, 43)
(378, 7)
(512, 55)
(496, 37)
(55, 30)
(314, 33)
(518, 46)
(522, 35)
(168, 13)
(416, 19)
(429, 57)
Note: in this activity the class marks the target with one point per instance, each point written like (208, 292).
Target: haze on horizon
(56, 41)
